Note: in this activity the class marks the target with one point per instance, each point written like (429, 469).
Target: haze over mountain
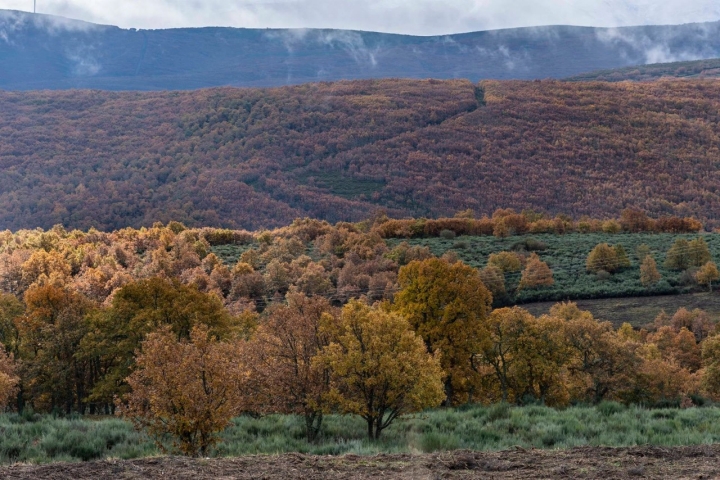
(46, 52)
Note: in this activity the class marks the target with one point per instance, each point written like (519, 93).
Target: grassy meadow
(42, 439)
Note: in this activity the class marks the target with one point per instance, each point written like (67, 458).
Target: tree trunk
(449, 392)
(313, 422)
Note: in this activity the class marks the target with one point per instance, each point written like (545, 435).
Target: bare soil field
(698, 462)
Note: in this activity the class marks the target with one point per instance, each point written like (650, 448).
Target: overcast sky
(419, 17)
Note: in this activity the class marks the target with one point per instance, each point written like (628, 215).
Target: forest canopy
(252, 158)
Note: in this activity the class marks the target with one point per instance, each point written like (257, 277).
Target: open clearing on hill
(586, 462)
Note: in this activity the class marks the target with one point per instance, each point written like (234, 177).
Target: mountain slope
(642, 73)
(44, 52)
(262, 157)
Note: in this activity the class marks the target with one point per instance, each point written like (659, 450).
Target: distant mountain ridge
(46, 52)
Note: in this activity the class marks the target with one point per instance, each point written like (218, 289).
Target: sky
(416, 17)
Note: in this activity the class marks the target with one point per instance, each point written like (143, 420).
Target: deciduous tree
(707, 274)
(649, 274)
(281, 354)
(188, 389)
(446, 304)
(380, 368)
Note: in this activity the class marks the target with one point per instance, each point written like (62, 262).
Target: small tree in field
(649, 274)
(188, 390)
(536, 274)
(707, 274)
(380, 368)
(602, 257)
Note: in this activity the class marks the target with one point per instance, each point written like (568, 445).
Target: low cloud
(419, 17)
(662, 47)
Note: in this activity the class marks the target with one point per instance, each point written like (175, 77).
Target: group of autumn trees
(262, 157)
(152, 321)
(692, 257)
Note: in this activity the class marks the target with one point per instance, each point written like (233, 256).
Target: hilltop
(251, 158)
(48, 52)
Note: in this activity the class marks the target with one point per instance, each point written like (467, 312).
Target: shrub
(447, 234)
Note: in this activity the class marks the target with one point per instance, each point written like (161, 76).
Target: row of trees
(507, 222)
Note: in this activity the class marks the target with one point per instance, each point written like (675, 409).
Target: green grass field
(42, 439)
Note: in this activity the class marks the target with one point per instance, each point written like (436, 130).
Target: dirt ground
(699, 462)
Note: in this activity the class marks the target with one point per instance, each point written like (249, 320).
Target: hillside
(255, 158)
(642, 73)
(48, 52)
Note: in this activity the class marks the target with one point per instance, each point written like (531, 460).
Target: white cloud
(421, 17)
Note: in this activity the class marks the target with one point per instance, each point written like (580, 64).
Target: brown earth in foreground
(697, 462)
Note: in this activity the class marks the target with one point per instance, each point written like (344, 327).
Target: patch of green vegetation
(42, 439)
(566, 256)
(230, 254)
(344, 185)
(475, 427)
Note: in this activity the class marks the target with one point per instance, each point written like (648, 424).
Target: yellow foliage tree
(446, 304)
(8, 379)
(707, 274)
(380, 368)
(602, 257)
(187, 389)
(711, 364)
(508, 262)
(649, 274)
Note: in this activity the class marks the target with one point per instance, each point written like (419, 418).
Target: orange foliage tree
(187, 389)
(281, 354)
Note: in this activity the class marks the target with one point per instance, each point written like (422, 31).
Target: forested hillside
(642, 73)
(255, 158)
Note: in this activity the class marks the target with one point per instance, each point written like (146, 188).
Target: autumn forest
(259, 158)
(187, 262)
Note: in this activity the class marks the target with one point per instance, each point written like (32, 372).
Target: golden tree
(601, 365)
(649, 274)
(8, 379)
(138, 309)
(281, 354)
(536, 274)
(380, 368)
(188, 390)
(711, 364)
(602, 257)
(493, 278)
(508, 262)
(707, 274)
(446, 304)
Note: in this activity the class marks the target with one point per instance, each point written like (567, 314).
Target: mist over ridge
(47, 52)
